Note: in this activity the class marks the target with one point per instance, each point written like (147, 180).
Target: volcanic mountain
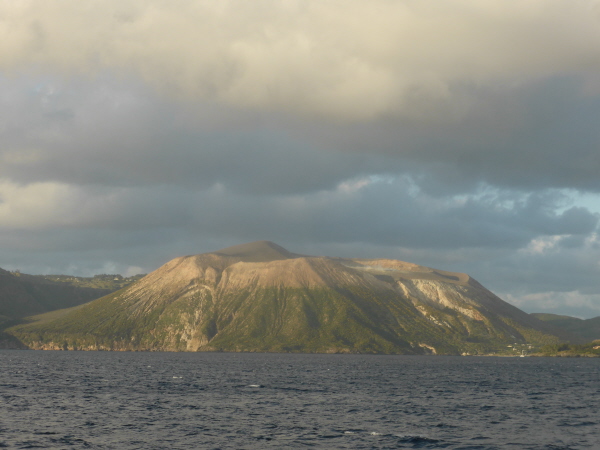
(260, 297)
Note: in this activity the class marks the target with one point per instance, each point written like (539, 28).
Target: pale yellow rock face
(436, 294)
(246, 267)
(296, 273)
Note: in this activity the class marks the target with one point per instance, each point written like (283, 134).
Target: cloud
(370, 210)
(116, 132)
(351, 60)
(573, 303)
(35, 205)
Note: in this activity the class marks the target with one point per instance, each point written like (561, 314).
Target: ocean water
(121, 400)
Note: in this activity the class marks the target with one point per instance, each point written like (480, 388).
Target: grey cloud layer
(118, 133)
(364, 210)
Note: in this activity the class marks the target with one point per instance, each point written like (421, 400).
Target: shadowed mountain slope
(260, 297)
(24, 295)
(586, 329)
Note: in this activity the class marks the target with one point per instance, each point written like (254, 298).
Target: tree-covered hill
(591, 349)
(24, 295)
(587, 329)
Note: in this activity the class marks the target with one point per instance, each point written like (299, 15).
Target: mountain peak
(258, 251)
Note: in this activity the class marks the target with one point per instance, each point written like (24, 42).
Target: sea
(137, 400)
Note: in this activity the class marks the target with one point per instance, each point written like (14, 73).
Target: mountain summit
(261, 297)
(259, 251)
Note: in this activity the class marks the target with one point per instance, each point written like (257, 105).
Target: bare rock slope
(261, 297)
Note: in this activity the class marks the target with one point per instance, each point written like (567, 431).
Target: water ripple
(119, 401)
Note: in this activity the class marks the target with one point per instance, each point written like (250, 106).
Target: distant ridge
(586, 329)
(24, 295)
(259, 297)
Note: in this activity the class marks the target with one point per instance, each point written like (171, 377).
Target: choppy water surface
(103, 400)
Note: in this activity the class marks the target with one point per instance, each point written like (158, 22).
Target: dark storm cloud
(368, 210)
(536, 136)
(119, 134)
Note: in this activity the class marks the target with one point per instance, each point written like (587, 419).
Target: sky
(462, 135)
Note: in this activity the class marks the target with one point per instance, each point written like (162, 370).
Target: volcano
(260, 297)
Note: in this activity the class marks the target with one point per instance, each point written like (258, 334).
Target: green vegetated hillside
(586, 329)
(591, 349)
(23, 295)
(259, 297)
